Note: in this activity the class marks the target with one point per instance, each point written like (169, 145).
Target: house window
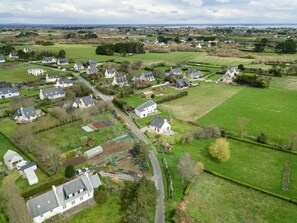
(51, 211)
(81, 198)
(41, 215)
(73, 202)
(64, 206)
(88, 194)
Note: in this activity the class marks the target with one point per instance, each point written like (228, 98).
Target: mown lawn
(101, 213)
(215, 200)
(200, 100)
(249, 163)
(272, 111)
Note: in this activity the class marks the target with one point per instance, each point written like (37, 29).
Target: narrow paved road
(160, 209)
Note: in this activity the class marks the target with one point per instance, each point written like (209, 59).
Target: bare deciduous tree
(189, 168)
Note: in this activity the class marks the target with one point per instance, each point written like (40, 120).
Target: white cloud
(149, 11)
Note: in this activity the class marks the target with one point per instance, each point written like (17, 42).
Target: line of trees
(251, 81)
(122, 48)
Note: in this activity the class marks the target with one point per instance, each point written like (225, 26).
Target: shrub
(208, 132)
(100, 196)
(220, 150)
(69, 171)
(262, 138)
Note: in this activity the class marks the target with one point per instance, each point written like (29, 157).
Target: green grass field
(249, 163)
(15, 72)
(288, 83)
(84, 52)
(200, 100)
(272, 111)
(215, 200)
(100, 213)
(5, 145)
(68, 137)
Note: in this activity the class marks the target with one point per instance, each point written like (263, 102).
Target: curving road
(160, 209)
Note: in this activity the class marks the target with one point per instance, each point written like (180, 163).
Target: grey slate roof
(196, 74)
(79, 64)
(5, 84)
(47, 59)
(95, 181)
(122, 79)
(92, 68)
(7, 90)
(183, 82)
(112, 71)
(63, 60)
(148, 75)
(157, 122)
(65, 81)
(142, 107)
(28, 165)
(176, 71)
(27, 112)
(14, 53)
(74, 187)
(51, 76)
(43, 203)
(90, 62)
(87, 100)
(52, 91)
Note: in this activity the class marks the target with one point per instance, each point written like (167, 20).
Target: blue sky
(147, 11)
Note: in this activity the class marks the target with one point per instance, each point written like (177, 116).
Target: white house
(78, 66)
(25, 114)
(64, 197)
(64, 83)
(230, 75)
(52, 93)
(13, 54)
(120, 81)
(8, 92)
(11, 159)
(92, 69)
(93, 152)
(27, 50)
(36, 71)
(52, 78)
(160, 126)
(49, 60)
(145, 77)
(28, 171)
(146, 109)
(84, 102)
(63, 61)
(2, 59)
(110, 73)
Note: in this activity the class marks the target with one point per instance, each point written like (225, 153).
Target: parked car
(79, 172)
(86, 169)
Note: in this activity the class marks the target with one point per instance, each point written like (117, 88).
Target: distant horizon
(267, 25)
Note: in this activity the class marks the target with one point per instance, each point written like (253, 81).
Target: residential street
(160, 209)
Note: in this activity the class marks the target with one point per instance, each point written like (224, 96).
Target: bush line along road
(160, 209)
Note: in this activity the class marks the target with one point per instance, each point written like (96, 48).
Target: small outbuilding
(93, 152)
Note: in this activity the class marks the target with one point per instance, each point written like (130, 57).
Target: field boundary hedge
(238, 182)
(260, 144)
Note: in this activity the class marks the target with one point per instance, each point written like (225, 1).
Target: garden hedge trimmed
(43, 187)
